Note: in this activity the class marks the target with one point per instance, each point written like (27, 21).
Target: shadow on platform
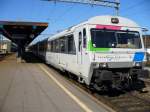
(29, 57)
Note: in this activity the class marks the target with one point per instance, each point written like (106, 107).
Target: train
(102, 52)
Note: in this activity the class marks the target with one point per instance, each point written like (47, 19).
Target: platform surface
(26, 87)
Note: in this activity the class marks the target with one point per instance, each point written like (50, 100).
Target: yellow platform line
(77, 100)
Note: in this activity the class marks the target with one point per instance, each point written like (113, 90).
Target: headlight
(138, 64)
(103, 65)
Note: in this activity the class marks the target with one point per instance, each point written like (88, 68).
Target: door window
(84, 38)
(80, 41)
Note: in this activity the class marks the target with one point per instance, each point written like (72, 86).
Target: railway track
(120, 101)
(127, 102)
(133, 101)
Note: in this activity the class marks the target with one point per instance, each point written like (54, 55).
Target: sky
(63, 15)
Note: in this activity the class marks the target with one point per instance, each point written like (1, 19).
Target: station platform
(35, 87)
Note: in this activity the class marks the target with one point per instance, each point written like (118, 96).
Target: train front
(117, 52)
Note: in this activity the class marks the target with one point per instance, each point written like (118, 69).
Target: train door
(83, 59)
(80, 48)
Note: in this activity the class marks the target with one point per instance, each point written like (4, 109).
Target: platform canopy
(22, 33)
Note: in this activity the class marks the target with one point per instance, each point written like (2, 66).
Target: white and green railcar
(102, 51)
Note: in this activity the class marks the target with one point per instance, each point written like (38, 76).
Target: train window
(49, 46)
(45, 45)
(62, 45)
(53, 46)
(84, 38)
(55, 43)
(115, 39)
(103, 38)
(80, 41)
(57, 46)
(40, 46)
(71, 45)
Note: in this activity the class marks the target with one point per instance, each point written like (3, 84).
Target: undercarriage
(120, 78)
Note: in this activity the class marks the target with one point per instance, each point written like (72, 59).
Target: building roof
(22, 32)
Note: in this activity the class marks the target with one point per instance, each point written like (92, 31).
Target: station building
(146, 39)
(5, 46)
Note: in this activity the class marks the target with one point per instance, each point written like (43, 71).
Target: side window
(62, 45)
(80, 41)
(45, 45)
(84, 38)
(57, 45)
(39, 46)
(52, 46)
(71, 45)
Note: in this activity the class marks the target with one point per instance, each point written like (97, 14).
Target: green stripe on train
(91, 48)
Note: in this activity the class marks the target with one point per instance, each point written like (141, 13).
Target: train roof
(106, 20)
(102, 20)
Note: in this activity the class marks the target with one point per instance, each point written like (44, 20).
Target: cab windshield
(115, 39)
